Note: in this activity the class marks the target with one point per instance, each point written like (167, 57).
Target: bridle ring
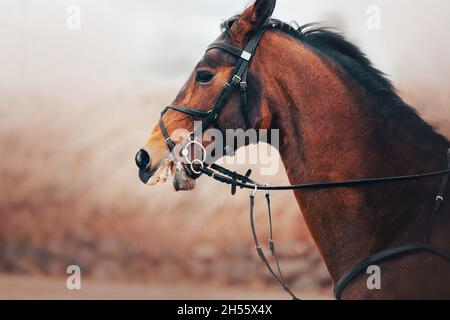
(185, 152)
(200, 163)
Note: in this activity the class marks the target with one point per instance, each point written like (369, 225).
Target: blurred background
(76, 105)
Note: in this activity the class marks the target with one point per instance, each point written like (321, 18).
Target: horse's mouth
(147, 176)
(183, 178)
(170, 169)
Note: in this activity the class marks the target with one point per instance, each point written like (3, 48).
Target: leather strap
(230, 49)
(166, 135)
(192, 112)
(279, 277)
(328, 185)
(438, 203)
(383, 256)
(238, 78)
(244, 102)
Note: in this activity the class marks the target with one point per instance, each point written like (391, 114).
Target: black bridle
(223, 175)
(238, 78)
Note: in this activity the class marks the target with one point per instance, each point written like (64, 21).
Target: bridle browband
(223, 175)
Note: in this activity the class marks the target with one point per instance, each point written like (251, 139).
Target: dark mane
(333, 44)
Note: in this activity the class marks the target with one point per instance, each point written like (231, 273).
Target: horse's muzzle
(144, 163)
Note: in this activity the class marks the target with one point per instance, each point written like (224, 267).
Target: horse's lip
(145, 175)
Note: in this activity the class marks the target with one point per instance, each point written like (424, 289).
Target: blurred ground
(41, 288)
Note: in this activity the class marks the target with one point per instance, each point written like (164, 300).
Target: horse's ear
(251, 19)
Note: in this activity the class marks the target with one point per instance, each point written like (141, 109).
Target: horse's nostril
(143, 160)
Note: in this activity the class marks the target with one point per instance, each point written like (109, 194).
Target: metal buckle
(254, 191)
(185, 152)
(236, 79)
(200, 163)
(191, 137)
(246, 55)
(267, 193)
(227, 85)
(440, 198)
(243, 85)
(215, 115)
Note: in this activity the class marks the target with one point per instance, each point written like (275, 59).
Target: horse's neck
(327, 136)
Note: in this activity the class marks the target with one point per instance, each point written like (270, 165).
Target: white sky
(155, 44)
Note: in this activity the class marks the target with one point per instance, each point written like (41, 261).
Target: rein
(223, 175)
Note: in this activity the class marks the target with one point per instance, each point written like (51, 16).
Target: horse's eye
(204, 77)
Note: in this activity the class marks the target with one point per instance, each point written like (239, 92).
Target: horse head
(165, 148)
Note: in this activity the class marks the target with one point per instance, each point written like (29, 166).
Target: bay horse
(339, 119)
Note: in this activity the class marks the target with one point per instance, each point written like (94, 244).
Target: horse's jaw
(182, 181)
(171, 170)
